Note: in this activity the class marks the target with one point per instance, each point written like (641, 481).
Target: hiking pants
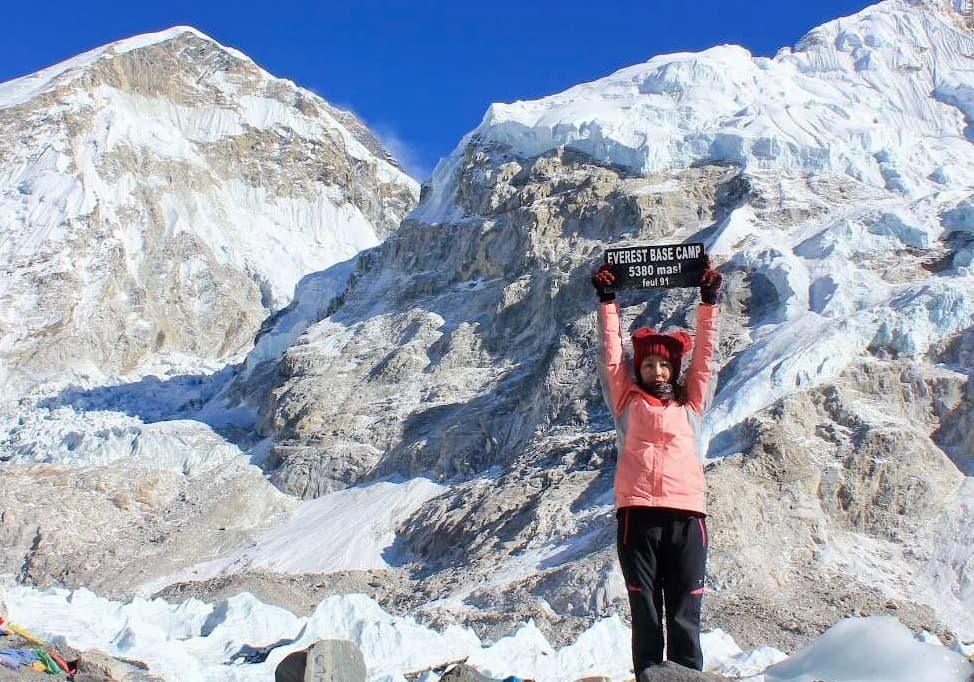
(663, 553)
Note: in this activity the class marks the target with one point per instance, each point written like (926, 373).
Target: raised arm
(614, 370)
(698, 374)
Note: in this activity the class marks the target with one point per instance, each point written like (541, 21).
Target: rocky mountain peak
(192, 191)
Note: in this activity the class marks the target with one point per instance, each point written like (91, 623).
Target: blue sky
(420, 74)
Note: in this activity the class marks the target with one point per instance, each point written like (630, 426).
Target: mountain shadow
(153, 399)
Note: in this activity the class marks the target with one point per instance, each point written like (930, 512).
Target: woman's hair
(680, 393)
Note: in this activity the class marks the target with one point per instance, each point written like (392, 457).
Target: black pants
(663, 553)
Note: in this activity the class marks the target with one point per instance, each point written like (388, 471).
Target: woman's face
(655, 368)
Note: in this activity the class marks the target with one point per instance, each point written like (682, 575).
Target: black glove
(710, 283)
(603, 280)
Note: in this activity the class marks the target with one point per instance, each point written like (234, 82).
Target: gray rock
(334, 660)
(329, 660)
(292, 668)
(94, 666)
(673, 672)
(464, 673)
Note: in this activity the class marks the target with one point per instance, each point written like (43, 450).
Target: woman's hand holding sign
(710, 284)
(603, 280)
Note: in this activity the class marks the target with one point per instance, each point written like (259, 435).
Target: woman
(659, 483)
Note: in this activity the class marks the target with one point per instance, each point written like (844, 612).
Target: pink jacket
(658, 464)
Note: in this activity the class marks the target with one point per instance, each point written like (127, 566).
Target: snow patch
(894, 656)
(348, 530)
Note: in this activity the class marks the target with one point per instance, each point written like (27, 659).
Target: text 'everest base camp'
(270, 403)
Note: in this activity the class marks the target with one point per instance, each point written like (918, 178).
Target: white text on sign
(648, 254)
(650, 270)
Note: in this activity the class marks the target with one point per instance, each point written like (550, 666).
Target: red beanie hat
(646, 341)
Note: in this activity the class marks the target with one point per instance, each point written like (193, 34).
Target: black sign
(666, 265)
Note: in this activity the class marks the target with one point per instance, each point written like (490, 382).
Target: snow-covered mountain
(164, 194)
(161, 198)
(834, 185)
(445, 408)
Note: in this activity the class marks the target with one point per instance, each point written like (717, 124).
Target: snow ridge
(853, 97)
